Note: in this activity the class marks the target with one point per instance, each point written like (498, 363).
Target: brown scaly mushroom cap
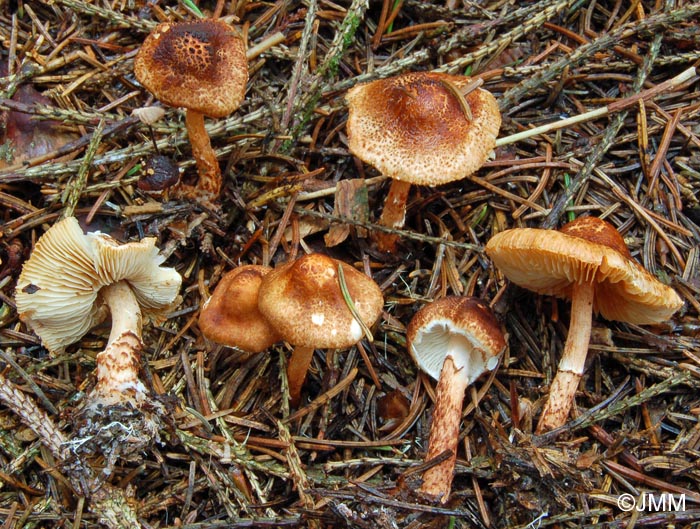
(586, 249)
(198, 65)
(303, 302)
(231, 316)
(412, 128)
(57, 292)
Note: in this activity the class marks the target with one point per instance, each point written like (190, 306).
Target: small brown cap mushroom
(57, 293)
(587, 249)
(231, 316)
(198, 65)
(413, 128)
(302, 300)
(458, 326)
(158, 174)
(455, 340)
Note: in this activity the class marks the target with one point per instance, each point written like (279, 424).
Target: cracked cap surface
(198, 65)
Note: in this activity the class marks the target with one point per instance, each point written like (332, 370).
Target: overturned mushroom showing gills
(72, 282)
(588, 262)
(455, 340)
(304, 303)
(202, 67)
(418, 128)
(231, 316)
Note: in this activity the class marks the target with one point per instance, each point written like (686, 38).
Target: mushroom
(588, 262)
(420, 128)
(231, 316)
(202, 67)
(71, 282)
(303, 300)
(454, 340)
(158, 174)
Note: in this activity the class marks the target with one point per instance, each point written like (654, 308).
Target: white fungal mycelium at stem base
(71, 283)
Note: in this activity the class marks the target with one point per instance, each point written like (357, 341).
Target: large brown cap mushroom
(422, 128)
(303, 301)
(455, 340)
(586, 250)
(202, 67)
(588, 262)
(198, 65)
(231, 316)
(412, 127)
(58, 291)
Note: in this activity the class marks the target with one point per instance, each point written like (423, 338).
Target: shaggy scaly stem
(118, 364)
(119, 418)
(444, 431)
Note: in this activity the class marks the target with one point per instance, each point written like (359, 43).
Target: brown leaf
(350, 202)
(27, 137)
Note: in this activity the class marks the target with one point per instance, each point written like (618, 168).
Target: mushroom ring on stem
(304, 302)
(201, 66)
(455, 340)
(231, 316)
(72, 282)
(588, 262)
(424, 128)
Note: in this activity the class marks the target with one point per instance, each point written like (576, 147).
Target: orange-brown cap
(198, 65)
(303, 302)
(231, 316)
(461, 327)
(413, 128)
(587, 249)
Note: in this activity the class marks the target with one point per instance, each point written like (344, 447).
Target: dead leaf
(27, 137)
(351, 202)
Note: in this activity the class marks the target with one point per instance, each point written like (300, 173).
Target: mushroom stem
(297, 367)
(118, 364)
(119, 419)
(204, 156)
(444, 430)
(393, 215)
(570, 371)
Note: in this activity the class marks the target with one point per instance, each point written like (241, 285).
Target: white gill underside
(440, 340)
